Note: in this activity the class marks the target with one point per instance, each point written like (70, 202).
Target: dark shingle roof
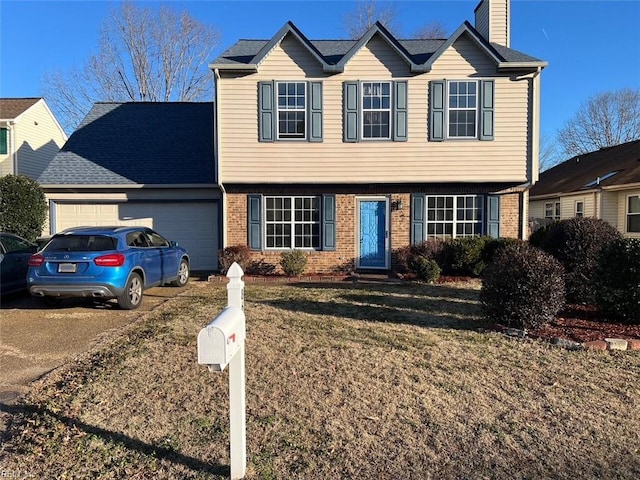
(582, 172)
(244, 52)
(10, 108)
(138, 143)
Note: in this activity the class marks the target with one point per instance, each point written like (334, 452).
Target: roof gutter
(626, 186)
(249, 68)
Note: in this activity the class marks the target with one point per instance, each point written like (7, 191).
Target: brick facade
(343, 258)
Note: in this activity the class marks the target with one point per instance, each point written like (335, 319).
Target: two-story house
(349, 149)
(30, 136)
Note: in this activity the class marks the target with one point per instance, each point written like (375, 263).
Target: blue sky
(591, 46)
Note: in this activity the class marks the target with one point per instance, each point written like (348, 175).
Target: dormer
(493, 21)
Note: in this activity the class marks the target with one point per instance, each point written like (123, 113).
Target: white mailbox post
(221, 343)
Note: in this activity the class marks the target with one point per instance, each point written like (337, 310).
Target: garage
(193, 224)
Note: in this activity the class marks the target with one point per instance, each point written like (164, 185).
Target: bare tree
(549, 155)
(144, 55)
(605, 120)
(434, 30)
(368, 12)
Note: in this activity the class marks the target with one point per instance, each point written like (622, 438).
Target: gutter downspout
(216, 157)
(535, 153)
(11, 126)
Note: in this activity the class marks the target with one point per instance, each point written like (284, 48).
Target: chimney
(493, 21)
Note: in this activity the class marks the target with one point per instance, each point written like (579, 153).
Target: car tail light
(36, 260)
(111, 260)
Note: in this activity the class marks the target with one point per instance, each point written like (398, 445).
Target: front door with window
(373, 233)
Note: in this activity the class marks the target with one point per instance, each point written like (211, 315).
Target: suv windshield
(81, 243)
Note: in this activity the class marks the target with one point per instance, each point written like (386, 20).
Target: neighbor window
(376, 110)
(579, 209)
(292, 222)
(292, 110)
(463, 109)
(3, 141)
(552, 210)
(450, 216)
(633, 214)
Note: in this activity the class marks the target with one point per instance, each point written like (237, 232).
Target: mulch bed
(584, 323)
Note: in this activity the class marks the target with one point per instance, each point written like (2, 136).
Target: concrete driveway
(35, 339)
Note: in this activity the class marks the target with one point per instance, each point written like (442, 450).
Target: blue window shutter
(400, 112)
(315, 111)
(351, 124)
(254, 222)
(417, 217)
(493, 216)
(437, 99)
(487, 110)
(328, 222)
(266, 112)
(4, 145)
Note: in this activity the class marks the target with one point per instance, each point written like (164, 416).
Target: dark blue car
(106, 263)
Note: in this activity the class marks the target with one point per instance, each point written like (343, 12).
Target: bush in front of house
(618, 279)
(23, 206)
(293, 263)
(426, 269)
(523, 287)
(576, 243)
(405, 258)
(539, 235)
(234, 253)
(467, 255)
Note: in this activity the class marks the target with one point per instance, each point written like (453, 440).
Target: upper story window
(463, 109)
(292, 109)
(376, 110)
(633, 214)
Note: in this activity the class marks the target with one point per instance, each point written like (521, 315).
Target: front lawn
(366, 381)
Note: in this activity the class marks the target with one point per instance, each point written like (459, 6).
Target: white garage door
(194, 225)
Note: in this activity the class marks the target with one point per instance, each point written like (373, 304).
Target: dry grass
(343, 381)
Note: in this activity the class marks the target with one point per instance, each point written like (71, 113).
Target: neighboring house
(602, 184)
(351, 149)
(29, 136)
(145, 164)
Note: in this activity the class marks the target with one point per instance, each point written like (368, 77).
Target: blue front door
(373, 234)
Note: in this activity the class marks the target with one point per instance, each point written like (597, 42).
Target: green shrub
(618, 279)
(426, 269)
(467, 255)
(539, 235)
(293, 263)
(576, 243)
(433, 249)
(494, 245)
(235, 253)
(522, 287)
(23, 206)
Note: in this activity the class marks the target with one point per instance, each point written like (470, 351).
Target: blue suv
(106, 263)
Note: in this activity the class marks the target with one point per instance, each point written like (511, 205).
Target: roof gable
(604, 168)
(139, 144)
(12, 108)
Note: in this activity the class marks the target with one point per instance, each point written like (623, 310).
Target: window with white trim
(292, 110)
(579, 209)
(462, 108)
(292, 222)
(451, 216)
(552, 210)
(376, 110)
(633, 214)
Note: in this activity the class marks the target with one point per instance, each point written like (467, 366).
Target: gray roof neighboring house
(142, 143)
(609, 167)
(333, 54)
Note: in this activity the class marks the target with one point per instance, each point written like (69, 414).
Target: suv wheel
(132, 296)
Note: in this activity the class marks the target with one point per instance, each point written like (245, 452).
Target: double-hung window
(292, 110)
(463, 109)
(292, 222)
(552, 210)
(451, 216)
(376, 110)
(633, 214)
(579, 209)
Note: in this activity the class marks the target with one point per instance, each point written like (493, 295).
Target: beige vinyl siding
(609, 209)
(499, 26)
(6, 162)
(536, 208)
(38, 138)
(245, 160)
(568, 205)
